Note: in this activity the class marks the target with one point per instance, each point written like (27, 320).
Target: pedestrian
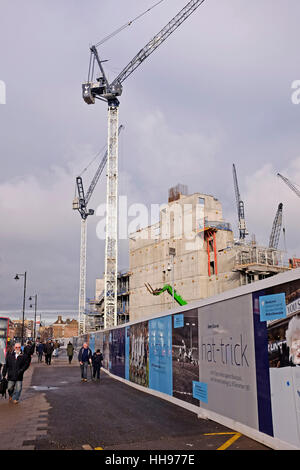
(56, 347)
(15, 365)
(70, 351)
(97, 363)
(48, 350)
(40, 350)
(84, 358)
(29, 350)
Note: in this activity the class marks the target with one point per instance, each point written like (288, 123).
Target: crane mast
(276, 229)
(82, 278)
(240, 207)
(109, 93)
(80, 203)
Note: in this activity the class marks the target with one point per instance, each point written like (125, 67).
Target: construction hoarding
(234, 357)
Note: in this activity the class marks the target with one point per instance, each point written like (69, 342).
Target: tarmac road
(111, 415)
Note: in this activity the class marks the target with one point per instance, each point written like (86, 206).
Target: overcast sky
(217, 92)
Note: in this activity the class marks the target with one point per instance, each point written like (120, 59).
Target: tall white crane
(80, 203)
(109, 92)
(240, 207)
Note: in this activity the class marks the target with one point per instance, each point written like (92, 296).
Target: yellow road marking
(98, 448)
(235, 437)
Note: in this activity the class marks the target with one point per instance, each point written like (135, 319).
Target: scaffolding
(255, 263)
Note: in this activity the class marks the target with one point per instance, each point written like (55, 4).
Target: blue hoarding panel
(179, 320)
(200, 391)
(160, 355)
(272, 307)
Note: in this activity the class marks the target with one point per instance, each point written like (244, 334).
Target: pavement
(59, 412)
(23, 423)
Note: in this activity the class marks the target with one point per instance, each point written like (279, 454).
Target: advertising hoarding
(227, 359)
(160, 355)
(185, 355)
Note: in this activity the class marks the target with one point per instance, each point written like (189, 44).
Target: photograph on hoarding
(117, 352)
(185, 355)
(284, 333)
(284, 361)
(106, 350)
(139, 354)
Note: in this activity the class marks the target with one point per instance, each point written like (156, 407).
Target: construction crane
(80, 203)
(290, 185)
(109, 93)
(240, 207)
(276, 229)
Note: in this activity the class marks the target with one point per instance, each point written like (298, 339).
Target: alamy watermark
(2, 92)
(156, 222)
(295, 97)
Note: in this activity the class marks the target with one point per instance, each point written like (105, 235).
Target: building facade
(191, 254)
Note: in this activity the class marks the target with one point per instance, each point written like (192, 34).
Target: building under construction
(191, 254)
(95, 316)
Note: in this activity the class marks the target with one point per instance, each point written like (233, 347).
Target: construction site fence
(226, 358)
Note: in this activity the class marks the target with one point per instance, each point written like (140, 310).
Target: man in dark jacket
(48, 350)
(97, 363)
(84, 358)
(70, 351)
(29, 349)
(15, 366)
(40, 350)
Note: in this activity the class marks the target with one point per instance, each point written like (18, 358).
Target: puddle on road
(40, 388)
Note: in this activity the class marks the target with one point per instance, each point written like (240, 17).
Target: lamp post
(24, 297)
(35, 307)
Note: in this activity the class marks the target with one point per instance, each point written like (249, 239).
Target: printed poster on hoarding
(283, 352)
(106, 360)
(227, 360)
(185, 356)
(160, 354)
(117, 352)
(139, 354)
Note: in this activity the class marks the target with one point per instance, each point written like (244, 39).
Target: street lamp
(35, 307)
(24, 297)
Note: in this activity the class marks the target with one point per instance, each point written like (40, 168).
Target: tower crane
(80, 203)
(240, 207)
(109, 93)
(290, 185)
(276, 229)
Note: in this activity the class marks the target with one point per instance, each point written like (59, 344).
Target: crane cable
(126, 25)
(100, 152)
(93, 159)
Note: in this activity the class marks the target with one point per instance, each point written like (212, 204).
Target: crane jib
(103, 90)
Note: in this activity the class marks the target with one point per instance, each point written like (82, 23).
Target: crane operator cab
(100, 89)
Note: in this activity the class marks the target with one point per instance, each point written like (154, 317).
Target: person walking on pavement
(15, 365)
(70, 351)
(49, 348)
(97, 363)
(29, 350)
(40, 350)
(56, 346)
(84, 358)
